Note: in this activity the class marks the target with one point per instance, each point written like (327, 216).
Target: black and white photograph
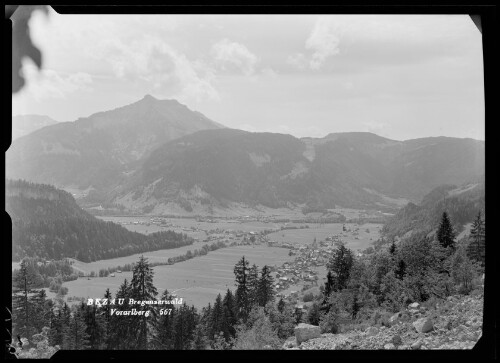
(245, 181)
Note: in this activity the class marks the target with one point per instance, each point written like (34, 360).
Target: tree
(258, 333)
(253, 285)
(142, 289)
(42, 309)
(22, 306)
(265, 290)
(200, 341)
(217, 319)
(464, 271)
(340, 265)
(230, 317)
(96, 327)
(242, 290)
(476, 249)
(165, 327)
(184, 327)
(392, 249)
(445, 234)
(122, 327)
(75, 334)
(313, 315)
(400, 270)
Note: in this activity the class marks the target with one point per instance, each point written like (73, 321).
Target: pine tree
(121, 326)
(217, 318)
(230, 317)
(392, 249)
(42, 308)
(142, 289)
(476, 250)
(22, 306)
(400, 270)
(56, 329)
(106, 315)
(265, 290)
(75, 334)
(242, 291)
(184, 327)
(445, 234)
(165, 327)
(340, 265)
(96, 327)
(253, 285)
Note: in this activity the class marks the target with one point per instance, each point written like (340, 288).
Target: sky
(399, 76)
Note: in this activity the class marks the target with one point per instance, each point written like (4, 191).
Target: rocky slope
(455, 324)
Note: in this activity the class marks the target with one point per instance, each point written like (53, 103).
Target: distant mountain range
(359, 170)
(152, 154)
(25, 124)
(99, 150)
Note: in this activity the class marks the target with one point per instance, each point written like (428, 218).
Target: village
(308, 267)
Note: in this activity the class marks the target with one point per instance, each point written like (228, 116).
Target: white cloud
(297, 60)
(48, 83)
(324, 41)
(170, 72)
(232, 54)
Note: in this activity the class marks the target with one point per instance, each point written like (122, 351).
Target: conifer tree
(142, 289)
(265, 290)
(217, 318)
(106, 315)
(96, 327)
(122, 327)
(184, 327)
(229, 304)
(253, 285)
(56, 328)
(42, 308)
(400, 270)
(340, 265)
(22, 306)
(476, 249)
(242, 291)
(165, 327)
(75, 334)
(445, 234)
(392, 249)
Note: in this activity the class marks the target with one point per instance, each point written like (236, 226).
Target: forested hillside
(47, 223)
(462, 204)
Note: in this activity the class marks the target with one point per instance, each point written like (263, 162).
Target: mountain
(358, 170)
(47, 223)
(99, 150)
(462, 203)
(25, 124)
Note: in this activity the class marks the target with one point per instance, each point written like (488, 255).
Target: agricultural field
(189, 226)
(358, 238)
(197, 281)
